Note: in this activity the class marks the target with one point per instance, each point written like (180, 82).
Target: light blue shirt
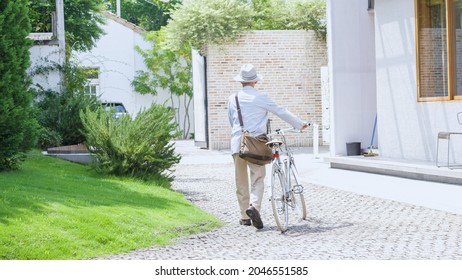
(255, 106)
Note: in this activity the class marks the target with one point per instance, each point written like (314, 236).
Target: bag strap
(239, 113)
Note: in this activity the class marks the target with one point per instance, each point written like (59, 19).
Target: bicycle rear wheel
(297, 195)
(278, 200)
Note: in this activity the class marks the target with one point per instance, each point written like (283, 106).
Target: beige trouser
(249, 194)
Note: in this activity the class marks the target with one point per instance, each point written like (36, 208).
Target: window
(439, 49)
(92, 86)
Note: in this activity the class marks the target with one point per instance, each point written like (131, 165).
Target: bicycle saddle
(274, 142)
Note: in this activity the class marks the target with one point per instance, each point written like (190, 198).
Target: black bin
(353, 148)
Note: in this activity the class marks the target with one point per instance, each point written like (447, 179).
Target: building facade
(398, 61)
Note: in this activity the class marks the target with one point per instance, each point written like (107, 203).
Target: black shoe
(245, 222)
(255, 217)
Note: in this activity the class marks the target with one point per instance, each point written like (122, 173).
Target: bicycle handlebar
(280, 131)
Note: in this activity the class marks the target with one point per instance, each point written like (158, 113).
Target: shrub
(49, 138)
(59, 111)
(18, 126)
(138, 147)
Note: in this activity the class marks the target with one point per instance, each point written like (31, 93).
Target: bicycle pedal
(298, 189)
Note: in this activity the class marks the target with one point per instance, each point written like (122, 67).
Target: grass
(52, 209)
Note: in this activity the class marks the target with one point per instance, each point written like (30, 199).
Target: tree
(201, 22)
(40, 15)
(297, 14)
(151, 15)
(18, 127)
(170, 70)
(82, 21)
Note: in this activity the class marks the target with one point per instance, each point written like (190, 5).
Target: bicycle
(286, 192)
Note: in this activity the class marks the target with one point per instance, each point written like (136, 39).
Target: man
(254, 106)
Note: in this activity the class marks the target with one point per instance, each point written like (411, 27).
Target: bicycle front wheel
(297, 195)
(278, 200)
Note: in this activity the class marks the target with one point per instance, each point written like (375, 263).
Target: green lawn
(54, 209)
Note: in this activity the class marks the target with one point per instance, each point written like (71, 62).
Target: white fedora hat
(248, 74)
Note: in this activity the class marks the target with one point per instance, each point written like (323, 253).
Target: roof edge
(123, 22)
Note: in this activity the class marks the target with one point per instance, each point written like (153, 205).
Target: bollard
(316, 140)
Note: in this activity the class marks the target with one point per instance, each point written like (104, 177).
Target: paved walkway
(342, 224)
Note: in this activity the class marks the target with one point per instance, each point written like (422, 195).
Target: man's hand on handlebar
(305, 125)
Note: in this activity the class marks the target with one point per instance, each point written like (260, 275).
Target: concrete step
(405, 169)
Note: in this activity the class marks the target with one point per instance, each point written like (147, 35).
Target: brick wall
(288, 60)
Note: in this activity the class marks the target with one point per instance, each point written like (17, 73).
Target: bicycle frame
(280, 166)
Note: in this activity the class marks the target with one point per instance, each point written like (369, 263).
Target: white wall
(39, 55)
(352, 73)
(408, 128)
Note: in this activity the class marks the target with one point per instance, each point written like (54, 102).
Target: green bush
(139, 147)
(59, 111)
(49, 138)
(18, 126)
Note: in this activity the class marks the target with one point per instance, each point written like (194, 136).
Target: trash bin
(353, 148)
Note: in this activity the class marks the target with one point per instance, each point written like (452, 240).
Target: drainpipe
(206, 106)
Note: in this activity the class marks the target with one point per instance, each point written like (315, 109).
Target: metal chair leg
(437, 149)
(449, 138)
